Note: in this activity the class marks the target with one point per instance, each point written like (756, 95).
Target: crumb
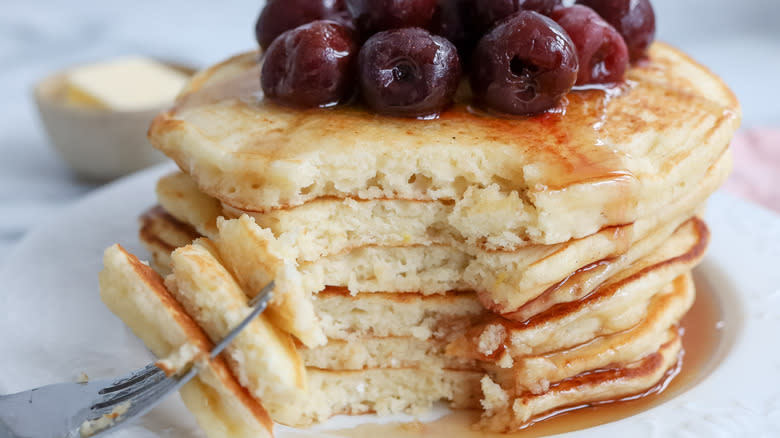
(414, 426)
(180, 359)
(91, 427)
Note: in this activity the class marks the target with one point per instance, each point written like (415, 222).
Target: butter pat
(124, 84)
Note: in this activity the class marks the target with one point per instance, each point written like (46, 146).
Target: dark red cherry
(524, 65)
(455, 20)
(489, 12)
(633, 19)
(601, 50)
(373, 16)
(311, 65)
(408, 72)
(279, 16)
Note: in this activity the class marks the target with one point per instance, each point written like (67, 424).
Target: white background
(739, 40)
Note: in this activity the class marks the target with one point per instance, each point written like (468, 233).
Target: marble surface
(738, 40)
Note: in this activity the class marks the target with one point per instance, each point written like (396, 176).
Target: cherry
(455, 20)
(524, 65)
(279, 16)
(489, 12)
(372, 16)
(633, 19)
(601, 50)
(408, 72)
(311, 65)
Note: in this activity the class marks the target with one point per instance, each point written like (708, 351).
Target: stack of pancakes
(518, 265)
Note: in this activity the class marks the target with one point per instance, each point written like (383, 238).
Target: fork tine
(130, 391)
(263, 295)
(259, 302)
(132, 378)
(145, 388)
(143, 402)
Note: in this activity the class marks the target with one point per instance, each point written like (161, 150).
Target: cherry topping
(311, 65)
(408, 72)
(372, 16)
(601, 50)
(489, 12)
(633, 19)
(524, 65)
(454, 20)
(279, 16)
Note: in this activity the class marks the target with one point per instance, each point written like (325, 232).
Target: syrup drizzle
(702, 334)
(565, 146)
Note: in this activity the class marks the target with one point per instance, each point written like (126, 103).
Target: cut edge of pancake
(337, 391)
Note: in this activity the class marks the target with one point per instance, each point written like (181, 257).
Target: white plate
(54, 325)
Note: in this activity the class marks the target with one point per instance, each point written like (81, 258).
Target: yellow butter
(124, 84)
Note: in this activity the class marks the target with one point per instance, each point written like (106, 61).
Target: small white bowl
(98, 144)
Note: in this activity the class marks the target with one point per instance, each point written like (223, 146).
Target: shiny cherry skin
(490, 12)
(371, 16)
(524, 65)
(279, 16)
(408, 72)
(455, 20)
(312, 65)
(633, 19)
(602, 53)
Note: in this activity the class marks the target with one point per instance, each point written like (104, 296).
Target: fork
(60, 410)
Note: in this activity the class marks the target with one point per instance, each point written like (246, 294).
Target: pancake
(522, 265)
(385, 352)
(627, 294)
(352, 317)
(535, 373)
(507, 412)
(262, 356)
(256, 259)
(517, 284)
(137, 294)
(386, 391)
(615, 306)
(609, 158)
(685, 247)
(608, 367)
(331, 226)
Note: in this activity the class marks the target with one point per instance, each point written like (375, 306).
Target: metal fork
(59, 411)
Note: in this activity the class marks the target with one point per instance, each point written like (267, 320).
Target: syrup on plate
(702, 334)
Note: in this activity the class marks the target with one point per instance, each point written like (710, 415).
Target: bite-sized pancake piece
(262, 356)
(137, 294)
(256, 259)
(609, 157)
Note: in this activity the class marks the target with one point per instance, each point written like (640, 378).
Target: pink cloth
(757, 166)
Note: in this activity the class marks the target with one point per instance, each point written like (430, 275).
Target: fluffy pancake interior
(523, 282)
